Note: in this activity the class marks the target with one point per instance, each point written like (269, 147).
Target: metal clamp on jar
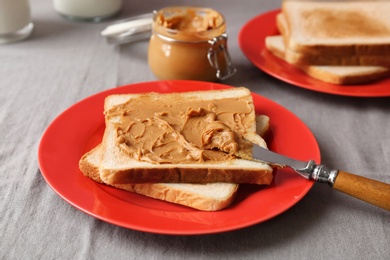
(189, 43)
(223, 65)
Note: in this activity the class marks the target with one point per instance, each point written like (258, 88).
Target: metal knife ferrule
(323, 174)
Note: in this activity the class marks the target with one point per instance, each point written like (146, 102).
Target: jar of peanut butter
(189, 43)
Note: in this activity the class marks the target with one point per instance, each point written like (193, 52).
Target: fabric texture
(64, 62)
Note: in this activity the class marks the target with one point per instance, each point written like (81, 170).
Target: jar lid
(129, 30)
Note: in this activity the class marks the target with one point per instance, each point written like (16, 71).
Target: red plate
(252, 42)
(80, 128)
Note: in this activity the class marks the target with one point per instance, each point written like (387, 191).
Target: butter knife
(368, 190)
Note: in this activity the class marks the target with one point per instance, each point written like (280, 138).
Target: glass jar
(87, 10)
(189, 43)
(15, 20)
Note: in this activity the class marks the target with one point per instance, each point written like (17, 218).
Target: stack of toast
(207, 186)
(336, 42)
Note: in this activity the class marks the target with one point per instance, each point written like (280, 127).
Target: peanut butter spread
(190, 20)
(173, 130)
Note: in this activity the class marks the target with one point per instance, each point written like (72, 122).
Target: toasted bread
(333, 58)
(117, 168)
(339, 28)
(206, 197)
(342, 75)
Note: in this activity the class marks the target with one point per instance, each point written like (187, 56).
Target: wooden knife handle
(368, 190)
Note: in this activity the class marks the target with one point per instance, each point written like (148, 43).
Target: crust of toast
(117, 168)
(294, 57)
(339, 28)
(191, 195)
(355, 75)
(342, 75)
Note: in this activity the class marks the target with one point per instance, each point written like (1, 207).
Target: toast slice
(345, 28)
(342, 75)
(206, 197)
(118, 168)
(333, 58)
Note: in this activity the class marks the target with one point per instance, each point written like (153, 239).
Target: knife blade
(368, 190)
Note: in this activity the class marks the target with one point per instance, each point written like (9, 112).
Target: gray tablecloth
(64, 62)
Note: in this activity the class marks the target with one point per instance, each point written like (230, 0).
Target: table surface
(64, 62)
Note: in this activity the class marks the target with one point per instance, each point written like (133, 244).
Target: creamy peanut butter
(172, 130)
(190, 20)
